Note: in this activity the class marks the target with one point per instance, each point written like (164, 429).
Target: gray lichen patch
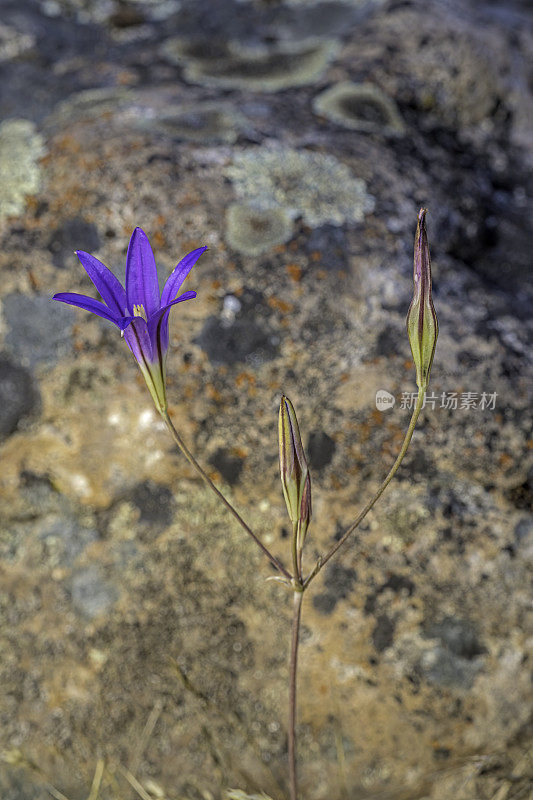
(270, 68)
(92, 103)
(314, 186)
(20, 174)
(180, 50)
(13, 42)
(91, 594)
(202, 123)
(253, 231)
(359, 106)
(472, 94)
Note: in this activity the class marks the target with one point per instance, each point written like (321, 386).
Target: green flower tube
(295, 478)
(422, 326)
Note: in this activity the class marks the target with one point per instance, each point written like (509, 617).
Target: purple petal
(178, 275)
(142, 287)
(158, 324)
(138, 340)
(89, 304)
(109, 287)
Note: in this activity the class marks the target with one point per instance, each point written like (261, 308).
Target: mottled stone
(242, 340)
(330, 243)
(154, 503)
(320, 449)
(338, 582)
(457, 635)
(73, 234)
(389, 341)
(13, 42)
(443, 668)
(230, 466)
(201, 123)
(66, 538)
(38, 331)
(21, 147)
(253, 231)
(91, 594)
(37, 493)
(15, 785)
(324, 602)
(399, 584)
(383, 633)
(524, 531)
(19, 397)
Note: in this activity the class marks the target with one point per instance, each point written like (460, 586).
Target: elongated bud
(422, 326)
(295, 478)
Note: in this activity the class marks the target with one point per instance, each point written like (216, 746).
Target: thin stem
(296, 556)
(193, 462)
(293, 777)
(362, 514)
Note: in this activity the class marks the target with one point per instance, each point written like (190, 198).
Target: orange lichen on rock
(280, 305)
(294, 271)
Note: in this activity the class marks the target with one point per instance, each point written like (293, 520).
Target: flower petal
(158, 325)
(142, 287)
(90, 304)
(138, 340)
(178, 275)
(109, 287)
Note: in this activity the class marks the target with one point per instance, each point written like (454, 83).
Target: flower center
(138, 311)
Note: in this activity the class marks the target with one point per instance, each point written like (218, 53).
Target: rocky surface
(142, 649)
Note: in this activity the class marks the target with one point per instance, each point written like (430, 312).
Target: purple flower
(139, 311)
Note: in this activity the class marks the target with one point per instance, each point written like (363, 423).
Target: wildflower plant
(141, 313)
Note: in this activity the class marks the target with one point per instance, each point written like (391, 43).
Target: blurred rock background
(142, 651)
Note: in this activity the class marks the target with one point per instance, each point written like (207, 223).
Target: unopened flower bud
(295, 478)
(422, 326)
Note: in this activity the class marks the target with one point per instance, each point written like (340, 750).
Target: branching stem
(362, 514)
(296, 579)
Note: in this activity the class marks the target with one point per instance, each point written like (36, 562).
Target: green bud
(422, 327)
(295, 478)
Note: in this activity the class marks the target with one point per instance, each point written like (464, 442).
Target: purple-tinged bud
(295, 478)
(422, 326)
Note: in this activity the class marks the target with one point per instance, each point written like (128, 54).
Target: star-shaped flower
(140, 311)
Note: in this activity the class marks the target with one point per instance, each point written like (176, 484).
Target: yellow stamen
(138, 311)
